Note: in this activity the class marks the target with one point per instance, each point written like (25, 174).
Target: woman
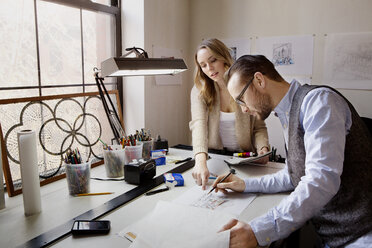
(217, 121)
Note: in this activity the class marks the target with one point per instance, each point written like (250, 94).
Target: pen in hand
(223, 179)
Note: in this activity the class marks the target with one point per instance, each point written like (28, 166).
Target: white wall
(250, 18)
(167, 107)
(133, 34)
(162, 109)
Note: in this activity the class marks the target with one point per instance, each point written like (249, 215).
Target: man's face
(252, 101)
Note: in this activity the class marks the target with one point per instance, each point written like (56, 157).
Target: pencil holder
(114, 161)
(146, 149)
(133, 152)
(78, 178)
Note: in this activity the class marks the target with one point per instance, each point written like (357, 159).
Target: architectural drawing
(348, 61)
(282, 54)
(209, 201)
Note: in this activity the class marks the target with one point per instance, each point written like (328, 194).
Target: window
(51, 47)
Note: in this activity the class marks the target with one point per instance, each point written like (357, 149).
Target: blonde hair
(202, 81)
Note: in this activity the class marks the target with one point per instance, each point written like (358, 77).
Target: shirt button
(267, 239)
(286, 113)
(285, 125)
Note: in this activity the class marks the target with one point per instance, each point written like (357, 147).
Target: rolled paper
(2, 198)
(29, 172)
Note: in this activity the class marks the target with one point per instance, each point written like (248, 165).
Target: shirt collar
(285, 104)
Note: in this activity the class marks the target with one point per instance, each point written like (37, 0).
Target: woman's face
(212, 67)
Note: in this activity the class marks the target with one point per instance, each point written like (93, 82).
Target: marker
(244, 154)
(157, 191)
(223, 179)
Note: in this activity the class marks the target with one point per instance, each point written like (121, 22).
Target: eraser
(159, 156)
(171, 177)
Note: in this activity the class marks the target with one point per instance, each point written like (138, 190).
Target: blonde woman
(217, 121)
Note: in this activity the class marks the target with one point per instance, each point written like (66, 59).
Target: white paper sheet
(239, 47)
(217, 167)
(175, 225)
(291, 55)
(234, 203)
(348, 60)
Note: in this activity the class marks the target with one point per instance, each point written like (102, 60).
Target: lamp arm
(111, 114)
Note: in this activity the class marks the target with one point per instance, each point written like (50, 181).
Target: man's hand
(241, 234)
(232, 182)
(200, 171)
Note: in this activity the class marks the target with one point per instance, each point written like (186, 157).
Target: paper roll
(29, 172)
(2, 197)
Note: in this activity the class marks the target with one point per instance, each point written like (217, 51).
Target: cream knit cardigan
(251, 133)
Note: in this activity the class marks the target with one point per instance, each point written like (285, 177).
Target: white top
(227, 131)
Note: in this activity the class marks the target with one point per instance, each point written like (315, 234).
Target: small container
(146, 149)
(133, 152)
(78, 178)
(114, 161)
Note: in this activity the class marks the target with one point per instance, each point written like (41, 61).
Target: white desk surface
(58, 207)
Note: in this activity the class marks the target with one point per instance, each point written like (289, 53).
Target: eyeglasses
(238, 99)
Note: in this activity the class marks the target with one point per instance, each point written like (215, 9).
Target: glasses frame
(237, 99)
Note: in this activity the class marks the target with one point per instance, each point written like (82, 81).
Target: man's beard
(264, 105)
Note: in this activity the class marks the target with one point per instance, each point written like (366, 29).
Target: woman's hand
(265, 159)
(200, 171)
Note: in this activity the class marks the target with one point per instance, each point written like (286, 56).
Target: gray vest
(348, 215)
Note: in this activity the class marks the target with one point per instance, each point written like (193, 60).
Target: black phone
(90, 227)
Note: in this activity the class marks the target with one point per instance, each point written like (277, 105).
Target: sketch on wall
(348, 60)
(282, 54)
(238, 47)
(291, 55)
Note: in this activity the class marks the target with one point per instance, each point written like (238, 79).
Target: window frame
(114, 10)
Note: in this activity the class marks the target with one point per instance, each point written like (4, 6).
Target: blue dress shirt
(326, 119)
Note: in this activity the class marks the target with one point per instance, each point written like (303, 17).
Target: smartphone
(90, 227)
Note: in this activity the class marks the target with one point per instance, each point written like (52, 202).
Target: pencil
(223, 179)
(100, 193)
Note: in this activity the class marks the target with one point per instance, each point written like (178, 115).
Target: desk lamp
(140, 65)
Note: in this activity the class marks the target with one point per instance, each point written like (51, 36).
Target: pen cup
(78, 178)
(114, 161)
(133, 152)
(146, 149)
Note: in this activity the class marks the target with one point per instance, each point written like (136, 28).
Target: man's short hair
(246, 66)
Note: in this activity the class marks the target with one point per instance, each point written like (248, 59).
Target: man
(328, 166)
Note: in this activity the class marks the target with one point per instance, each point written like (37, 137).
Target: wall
(133, 34)
(167, 107)
(250, 18)
(162, 109)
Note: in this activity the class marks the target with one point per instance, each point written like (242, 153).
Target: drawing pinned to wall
(282, 54)
(348, 60)
(291, 55)
(238, 47)
(161, 52)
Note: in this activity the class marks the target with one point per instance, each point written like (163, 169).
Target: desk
(58, 207)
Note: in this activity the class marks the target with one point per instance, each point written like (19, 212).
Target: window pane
(99, 42)
(8, 94)
(60, 44)
(95, 89)
(61, 90)
(18, 60)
